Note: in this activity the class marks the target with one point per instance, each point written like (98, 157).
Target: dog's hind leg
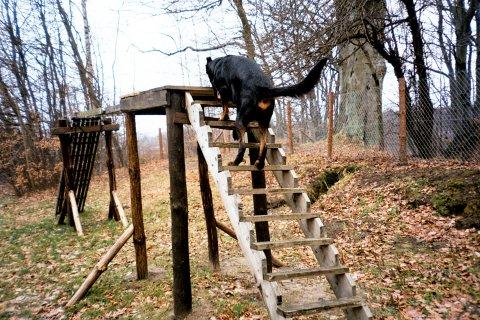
(262, 152)
(240, 131)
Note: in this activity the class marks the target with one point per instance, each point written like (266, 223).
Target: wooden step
(314, 307)
(265, 191)
(246, 145)
(303, 273)
(227, 124)
(290, 243)
(278, 217)
(253, 168)
(207, 102)
(212, 103)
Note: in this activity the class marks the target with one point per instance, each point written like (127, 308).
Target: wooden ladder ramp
(327, 256)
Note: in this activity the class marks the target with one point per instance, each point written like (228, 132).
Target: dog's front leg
(262, 152)
(240, 130)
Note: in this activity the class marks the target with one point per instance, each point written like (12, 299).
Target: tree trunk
(361, 73)
(423, 128)
(246, 29)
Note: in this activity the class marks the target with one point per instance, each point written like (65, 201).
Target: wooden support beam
(100, 267)
(139, 240)
(260, 202)
(222, 226)
(67, 175)
(112, 183)
(86, 129)
(76, 216)
(208, 210)
(160, 143)
(121, 212)
(182, 289)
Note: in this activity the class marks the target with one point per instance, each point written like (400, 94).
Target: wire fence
(439, 123)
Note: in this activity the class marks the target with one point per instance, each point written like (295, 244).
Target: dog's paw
(232, 163)
(259, 165)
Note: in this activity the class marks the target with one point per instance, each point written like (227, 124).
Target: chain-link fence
(440, 122)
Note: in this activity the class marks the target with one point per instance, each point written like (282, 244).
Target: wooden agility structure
(185, 106)
(79, 138)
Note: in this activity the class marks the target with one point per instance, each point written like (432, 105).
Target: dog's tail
(301, 88)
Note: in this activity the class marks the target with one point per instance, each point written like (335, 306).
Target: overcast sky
(141, 27)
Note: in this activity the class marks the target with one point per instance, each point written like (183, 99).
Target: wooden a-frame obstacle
(184, 106)
(79, 138)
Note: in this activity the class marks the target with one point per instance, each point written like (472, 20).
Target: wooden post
(402, 133)
(260, 202)
(76, 216)
(331, 99)
(121, 212)
(208, 210)
(182, 288)
(289, 127)
(112, 183)
(100, 267)
(136, 197)
(160, 143)
(67, 174)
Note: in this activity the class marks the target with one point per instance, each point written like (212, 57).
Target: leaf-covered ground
(410, 261)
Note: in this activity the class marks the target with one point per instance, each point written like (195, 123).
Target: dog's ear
(209, 59)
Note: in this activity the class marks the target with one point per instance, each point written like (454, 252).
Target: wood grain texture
(139, 239)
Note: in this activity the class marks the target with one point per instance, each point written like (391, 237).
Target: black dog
(241, 81)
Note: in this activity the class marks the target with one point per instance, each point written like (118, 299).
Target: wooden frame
(79, 140)
(180, 99)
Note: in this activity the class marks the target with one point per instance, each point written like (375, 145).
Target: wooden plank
(227, 124)
(265, 191)
(150, 99)
(100, 267)
(290, 243)
(160, 143)
(109, 110)
(182, 289)
(181, 118)
(278, 217)
(76, 216)
(68, 176)
(247, 145)
(315, 307)
(89, 163)
(231, 203)
(139, 239)
(303, 273)
(89, 113)
(253, 168)
(85, 129)
(157, 98)
(121, 212)
(208, 102)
